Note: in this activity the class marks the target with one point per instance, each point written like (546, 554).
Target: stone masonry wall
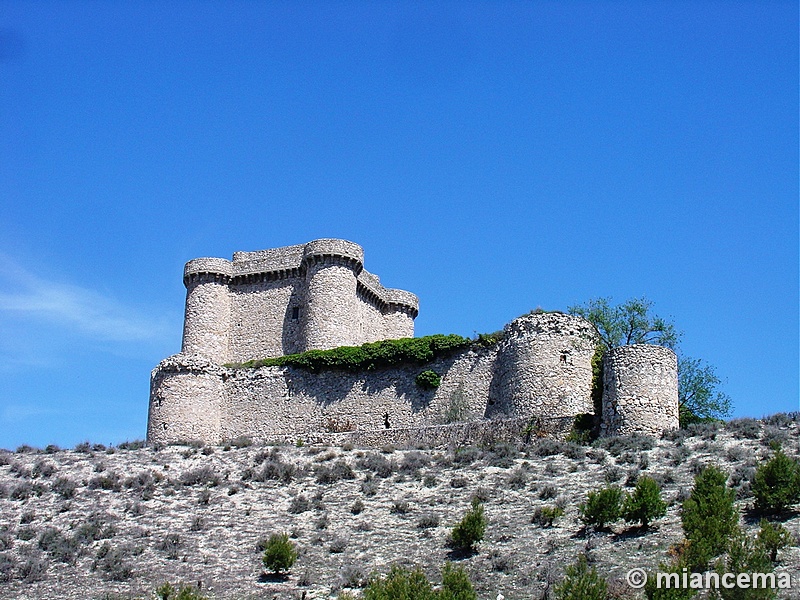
(640, 390)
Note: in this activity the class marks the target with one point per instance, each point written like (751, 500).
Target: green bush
(581, 583)
(428, 380)
(404, 584)
(602, 507)
(645, 503)
(279, 553)
(545, 516)
(776, 485)
(745, 555)
(709, 517)
(370, 356)
(773, 537)
(653, 592)
(187, 592)
(470, 530)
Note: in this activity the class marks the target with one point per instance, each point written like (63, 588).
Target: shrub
(403, 584)
(456, 584)
(378, 464)
(645, 503)
(112, 563)
(428, 520)
(339, 470)
(470, 530)
(279, 554)
(400, 583)
(545, 516)
(517, 479)
(58, 546)
(204, 475)
(745, 555)
(602, 507)
(744, 428)
(709, 517)
(776, 484)
(773, 537)
(581, 583)
(187, 592)
(625, 443)
(370, 356)
(428, 380)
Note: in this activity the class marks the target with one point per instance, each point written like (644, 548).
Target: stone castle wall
(523, 377)
(317, 296)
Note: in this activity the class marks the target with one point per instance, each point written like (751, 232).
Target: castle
(318, 296)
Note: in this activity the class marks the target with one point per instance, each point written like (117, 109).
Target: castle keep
(318, 296)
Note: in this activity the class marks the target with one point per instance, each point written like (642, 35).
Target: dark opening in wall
(295, 313)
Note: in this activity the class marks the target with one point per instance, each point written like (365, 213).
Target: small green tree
(666, 590)
(470, 530)
(399, 584)
(403, 584)
(602, 507)
(698, 396)
(581, 583)
(279, 553)
(709, 517)
(745, 555)
(776, 484)
(456, 584)
(773, 537)
(645, 503)
(628, 323)
(187, 592)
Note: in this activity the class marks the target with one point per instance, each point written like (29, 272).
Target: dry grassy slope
(154, 527)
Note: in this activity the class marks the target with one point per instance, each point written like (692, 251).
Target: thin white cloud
(82, 310)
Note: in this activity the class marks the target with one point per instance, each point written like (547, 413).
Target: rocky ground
(112, 523)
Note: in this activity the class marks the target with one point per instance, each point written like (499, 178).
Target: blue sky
(490, 157)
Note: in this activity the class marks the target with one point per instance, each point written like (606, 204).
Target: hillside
(110, 523)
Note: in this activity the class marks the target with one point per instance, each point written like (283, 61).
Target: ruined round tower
(640, 390)
(545, 366)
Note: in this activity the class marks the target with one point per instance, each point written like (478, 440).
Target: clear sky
(490, 157)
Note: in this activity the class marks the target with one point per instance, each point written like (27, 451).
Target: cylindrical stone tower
(331, 267)
(403, 308)
(640, 390)
(206, 326)
(545, 366)
(185, 400)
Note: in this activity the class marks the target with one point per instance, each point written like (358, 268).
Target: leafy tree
(279, 553)
(709, 517)
(698, 397)
(581, 583)
(645, 503)
(776, 485)
(773, 537)
(628, 323)
(470, 530)
(602, 507)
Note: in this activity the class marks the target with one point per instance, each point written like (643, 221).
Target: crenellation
(318, 295)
